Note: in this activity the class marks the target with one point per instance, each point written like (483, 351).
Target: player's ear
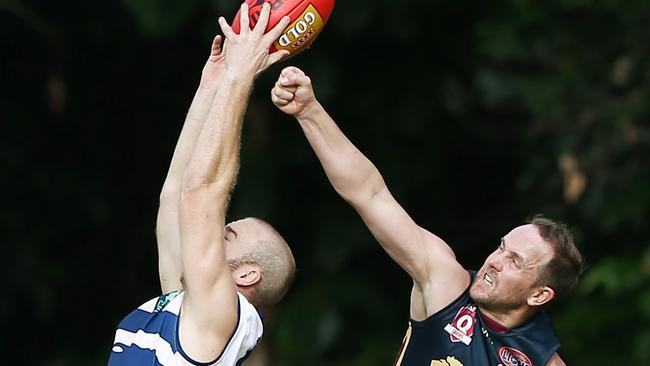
(541, 296)
(247, 275)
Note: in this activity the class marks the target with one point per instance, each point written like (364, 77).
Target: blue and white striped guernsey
(149, 335)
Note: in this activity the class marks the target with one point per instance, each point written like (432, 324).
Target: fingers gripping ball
(308, 17)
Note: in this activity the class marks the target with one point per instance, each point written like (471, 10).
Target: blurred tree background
(479, 115)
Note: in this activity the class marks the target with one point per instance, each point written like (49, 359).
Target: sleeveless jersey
(149, 335)
(458, 336)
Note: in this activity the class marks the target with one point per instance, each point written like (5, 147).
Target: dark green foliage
(479, 115)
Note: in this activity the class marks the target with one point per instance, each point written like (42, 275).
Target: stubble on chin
(492, 303)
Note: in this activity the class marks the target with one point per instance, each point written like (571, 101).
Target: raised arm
(167, 225)
(438, 277)
(210, 302)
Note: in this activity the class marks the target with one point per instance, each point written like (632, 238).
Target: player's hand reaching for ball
(293, 93)
(214, 67)
(247, 53)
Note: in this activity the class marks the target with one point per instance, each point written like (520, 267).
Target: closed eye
(230, 233)
(516, 261)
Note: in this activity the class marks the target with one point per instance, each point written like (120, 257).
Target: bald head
(261, 246)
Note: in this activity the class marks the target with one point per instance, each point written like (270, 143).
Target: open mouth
(487, 279)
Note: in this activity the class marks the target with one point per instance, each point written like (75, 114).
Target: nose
(495, 261)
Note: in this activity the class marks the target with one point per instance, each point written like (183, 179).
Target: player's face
(509, 274)
(240, 236)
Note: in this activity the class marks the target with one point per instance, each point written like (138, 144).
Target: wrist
(210, 83)
(310, 112)
(238, 81)
(208, 86)
(240, 76)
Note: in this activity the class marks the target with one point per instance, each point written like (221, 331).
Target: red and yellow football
(308, 17)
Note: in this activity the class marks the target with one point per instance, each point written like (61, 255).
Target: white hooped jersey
(149, 335)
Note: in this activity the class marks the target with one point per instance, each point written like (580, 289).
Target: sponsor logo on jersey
(513, 357)
(462, 328)
(165, 299)
(450, 361)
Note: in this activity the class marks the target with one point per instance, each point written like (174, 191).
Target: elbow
(363, 191)
(199, 184)
(210, 175)
(355, 198)
(358, 198)
(194, 183)
(170, 192)
(198, 177)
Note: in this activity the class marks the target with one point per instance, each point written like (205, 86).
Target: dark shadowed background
(479, 114)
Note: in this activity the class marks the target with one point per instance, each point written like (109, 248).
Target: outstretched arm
(167, 224)
(428, 259)
(210, 301)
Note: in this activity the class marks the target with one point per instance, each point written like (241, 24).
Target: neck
(248, 294)
(508, 319)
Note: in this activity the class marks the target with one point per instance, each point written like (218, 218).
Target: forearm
(215, 159)
(359, 182)
(351, 174)
(196, 116)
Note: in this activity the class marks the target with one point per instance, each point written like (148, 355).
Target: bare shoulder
(447, 279)
(555, 361)
(443, 266)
